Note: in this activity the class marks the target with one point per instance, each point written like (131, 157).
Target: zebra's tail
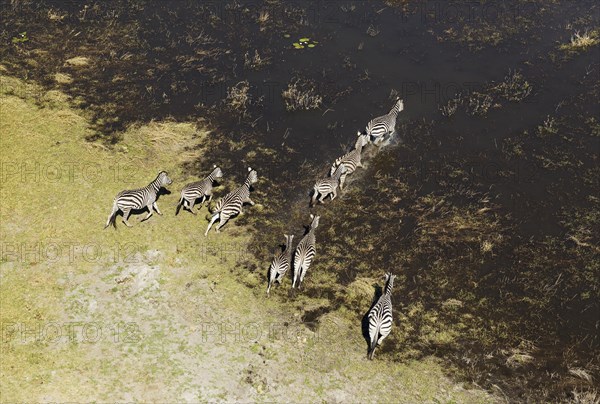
(179, 204)
(212, 220)
(373, 344)
(113, 216)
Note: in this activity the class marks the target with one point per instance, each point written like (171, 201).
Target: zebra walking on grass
(327, 186)
(281, 263)
(384, 125)
(199, 189)
(305, 252)
(137, 199)
(351, 161)
(231, 204)
(380, 316)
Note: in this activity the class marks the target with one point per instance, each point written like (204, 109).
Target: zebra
(327, 186)
(380, 316)
(384, 125)
(281, 263)
(136, 199)
(231, 204)
(305, 252)
(350, 160)
(199, 189)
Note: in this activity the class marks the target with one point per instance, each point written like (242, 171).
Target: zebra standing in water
(351, 161)
(327, 186)
(198, 189)
(384, 125)
(305, 252)
(136, 199)
(231, 204)
(281, 263)
(380, 316)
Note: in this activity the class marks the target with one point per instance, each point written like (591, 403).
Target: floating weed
(304, 43)
(20, 38)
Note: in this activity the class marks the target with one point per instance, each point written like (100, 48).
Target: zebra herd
(377, 131)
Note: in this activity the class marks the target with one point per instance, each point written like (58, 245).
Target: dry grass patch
(301, 95)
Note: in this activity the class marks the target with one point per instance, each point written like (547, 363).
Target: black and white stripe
(351, 161)
(327, 186)
(137, 199)
(199, 189)
(231, 204)
(384, 125)
(380, 316)
(281, 263)
(305, 252)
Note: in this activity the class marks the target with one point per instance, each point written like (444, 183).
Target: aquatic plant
(301, 94)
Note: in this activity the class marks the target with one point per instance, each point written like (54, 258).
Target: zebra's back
(133, 198)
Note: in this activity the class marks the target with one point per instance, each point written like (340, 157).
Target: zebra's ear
(312, 216)
(249, 169)
(214, 166)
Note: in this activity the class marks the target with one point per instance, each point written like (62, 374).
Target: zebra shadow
(365, 319)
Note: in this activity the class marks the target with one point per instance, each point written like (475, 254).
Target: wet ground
(486, 215)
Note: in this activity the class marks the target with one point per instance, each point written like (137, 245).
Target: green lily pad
(311, 45)
(286, 35)
(304, 39)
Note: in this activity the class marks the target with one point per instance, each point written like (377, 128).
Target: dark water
(425, 204)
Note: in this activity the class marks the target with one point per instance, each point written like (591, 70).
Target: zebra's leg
(155, 207)
(333, 194)
(250, 201)
(126, 213)
(148, 215)
(314, 197)
(342, 180)
(209, 199)
(212, 220)
(222, 220)
(191, 208)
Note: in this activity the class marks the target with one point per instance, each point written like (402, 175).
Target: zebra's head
(252, 176)
(314, 221)
(164, 179)
(217, 173)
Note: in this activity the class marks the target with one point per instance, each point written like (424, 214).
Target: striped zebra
(305, 252)
(231, 204)
(350, 160)
(384, 125)
(137, 199)
(281, 263)
(199, 189)
(380, 316)
(327, 186)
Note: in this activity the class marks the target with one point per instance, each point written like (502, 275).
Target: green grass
(153, 287)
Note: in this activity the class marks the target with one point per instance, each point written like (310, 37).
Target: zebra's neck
(389, 286)
(155, 185)
(248, 183)
(395, 109)
(211, 177)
